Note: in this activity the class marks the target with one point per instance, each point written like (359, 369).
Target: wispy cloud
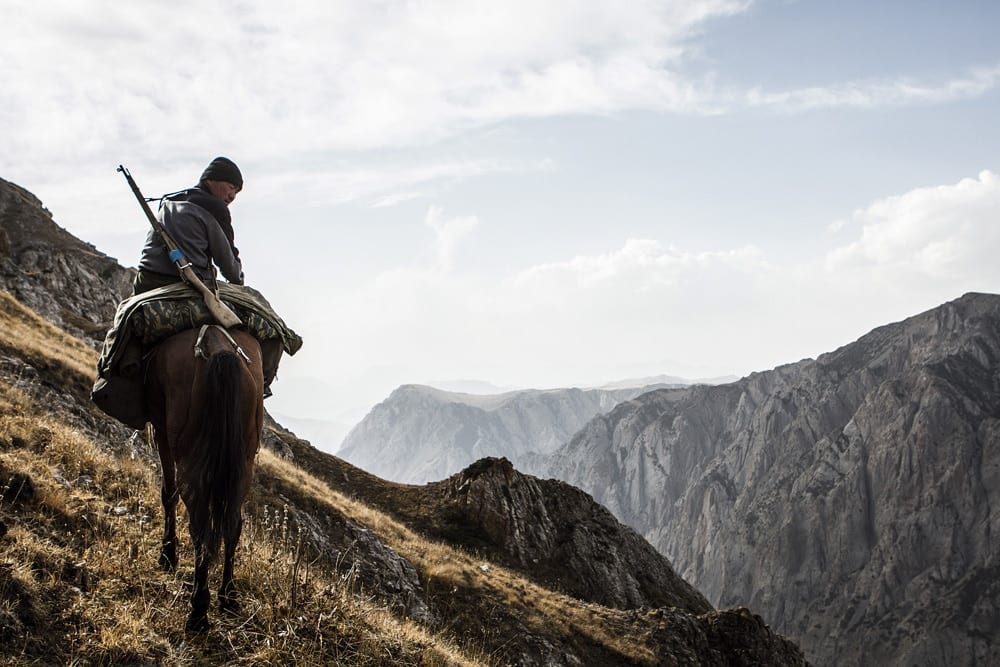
(873, 94)
(385, 183)
(397, 198)
(433, 271)
(641, 263)
(327, 75)
(448, 232)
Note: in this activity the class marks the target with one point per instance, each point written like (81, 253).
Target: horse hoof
(168, 562)
(197, 624)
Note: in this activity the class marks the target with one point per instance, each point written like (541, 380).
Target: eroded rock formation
(852, 500)
(557, 532)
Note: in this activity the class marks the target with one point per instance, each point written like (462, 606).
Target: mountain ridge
(65, 280)
(825, 474)
(420, 434)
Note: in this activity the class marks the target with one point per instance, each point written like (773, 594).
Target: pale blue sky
(534, 194)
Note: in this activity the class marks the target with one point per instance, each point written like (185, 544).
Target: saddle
(145, 319)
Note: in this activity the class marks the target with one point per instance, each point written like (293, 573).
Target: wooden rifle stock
(220, 311)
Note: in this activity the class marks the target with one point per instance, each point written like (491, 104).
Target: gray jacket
(191, 218)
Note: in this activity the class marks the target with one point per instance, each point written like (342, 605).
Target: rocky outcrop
(559, 535)
(550, 531)
(66, 281)
(420, 434)
(852, 499)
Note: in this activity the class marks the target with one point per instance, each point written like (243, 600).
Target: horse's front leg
(227, 593)
(168, 496)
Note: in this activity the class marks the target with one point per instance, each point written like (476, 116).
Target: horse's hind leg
(168, 495)
(168, 547)
(200, 596)
(227, 593)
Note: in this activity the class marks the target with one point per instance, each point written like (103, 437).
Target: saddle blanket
(160, 313)
(145, 319)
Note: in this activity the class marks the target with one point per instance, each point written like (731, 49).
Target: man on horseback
(180, 359)
(199, 222)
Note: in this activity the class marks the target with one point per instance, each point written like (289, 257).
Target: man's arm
(222, 253)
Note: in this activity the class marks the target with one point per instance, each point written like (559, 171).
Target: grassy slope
(78, 576)
(79, 537)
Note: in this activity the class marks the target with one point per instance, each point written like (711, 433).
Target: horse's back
(174, 360)
(176, 387)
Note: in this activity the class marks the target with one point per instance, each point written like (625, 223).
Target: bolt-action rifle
(220, 311)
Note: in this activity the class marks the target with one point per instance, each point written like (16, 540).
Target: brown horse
(205, 401)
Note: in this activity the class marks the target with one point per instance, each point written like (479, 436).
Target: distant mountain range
(420, 434)
(469, 386)
(663, 381)
(322, 433)
(317, 397)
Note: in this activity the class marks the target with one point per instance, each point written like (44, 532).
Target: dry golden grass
(79, 541)
(79, 583)
(28, 335)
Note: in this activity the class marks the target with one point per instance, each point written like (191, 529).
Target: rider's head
(222, 178)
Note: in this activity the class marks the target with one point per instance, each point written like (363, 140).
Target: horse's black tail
(214, 474)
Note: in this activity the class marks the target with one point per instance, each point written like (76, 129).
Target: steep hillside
(852, 499)
(420, 434)
(324, 579)
(547, 530)
(66, 281)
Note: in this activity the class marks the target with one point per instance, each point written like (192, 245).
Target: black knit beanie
(223, 169)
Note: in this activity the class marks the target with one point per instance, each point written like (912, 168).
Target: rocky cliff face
(66, 281)
(851, 499)
(420, 434)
